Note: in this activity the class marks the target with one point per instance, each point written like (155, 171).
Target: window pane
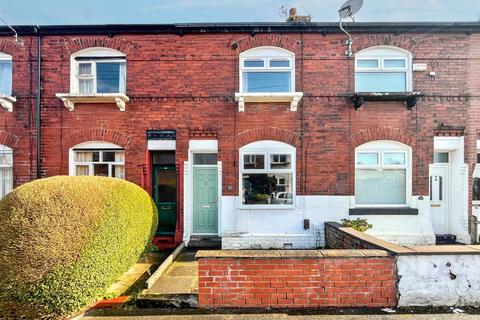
(85, 86)
(265, 189)
(266, 81)
(84, 69)
(118, 171)
(6, 158)
(100, 170)
(397, 158)
(279, 63)
(440, 157)
(367, 159)
(85, 156)
(476, 189)
(367, 63)
(205, 158)
(380, 186)
(380, 82)
(280, 161)
(108, 156)
(254, 161)
(6, 181)
(253, 63)
(108, 75)
(394, 63)
(166, 158)
(81, 170)
(6, 77)
(167, 185)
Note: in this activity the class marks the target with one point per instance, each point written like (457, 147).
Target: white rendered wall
(248, 229)
(439, 280)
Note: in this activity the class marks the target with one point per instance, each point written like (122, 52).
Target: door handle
(165, 208)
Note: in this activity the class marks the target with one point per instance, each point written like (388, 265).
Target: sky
(51, 12)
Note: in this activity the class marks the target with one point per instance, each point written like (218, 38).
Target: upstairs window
(383, 69)
(5, 74)
(99, 70)
(98, 159)
(267, 69)
(6, 170)
(382, 174)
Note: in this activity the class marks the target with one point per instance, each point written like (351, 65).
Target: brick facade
(187, 83)
(333, 278)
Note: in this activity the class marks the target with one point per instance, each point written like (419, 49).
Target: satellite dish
(349, 8)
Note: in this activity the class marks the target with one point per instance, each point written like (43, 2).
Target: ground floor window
(382, 174)
(267, 173)
(6, 170)
(97, 159)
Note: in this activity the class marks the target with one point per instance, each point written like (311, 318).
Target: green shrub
(65, 240)
(358, 224)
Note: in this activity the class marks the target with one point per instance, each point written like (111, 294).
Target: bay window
(383, 69)
(6, 170)
(267, 174)
(382, 174)
(98, 159)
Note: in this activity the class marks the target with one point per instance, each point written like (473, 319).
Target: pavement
(279, 316)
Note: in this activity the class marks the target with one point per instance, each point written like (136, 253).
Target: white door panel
(439, 198)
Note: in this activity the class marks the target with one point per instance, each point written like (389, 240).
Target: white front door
(439, 198)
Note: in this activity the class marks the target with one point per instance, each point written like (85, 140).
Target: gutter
(252, 28)
(38, 106)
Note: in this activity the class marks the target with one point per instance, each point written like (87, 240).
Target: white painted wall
(439, 280)
(247, 228)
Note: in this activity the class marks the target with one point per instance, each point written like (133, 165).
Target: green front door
(165, 197)
(205, 200)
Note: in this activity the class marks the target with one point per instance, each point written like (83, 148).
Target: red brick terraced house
(255, 133)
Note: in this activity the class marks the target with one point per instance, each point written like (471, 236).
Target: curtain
(81, 170)
(6, 181)
(5, 77)
(83, 156)
(118, 171)
(123, 78)
(120, 156)
(85, 86)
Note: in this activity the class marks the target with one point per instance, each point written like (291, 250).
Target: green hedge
(65, 240)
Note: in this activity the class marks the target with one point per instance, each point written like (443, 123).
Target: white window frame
(98, 55)
(94, 146)
(380, 54)
(5, 149)
(267, 54)
(7, 57)
(267, 148)
(381, 147)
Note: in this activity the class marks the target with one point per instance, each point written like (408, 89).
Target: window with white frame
(6, 170)
(98, 159)
(5, 74)
(476, 179)
(267, 69)
(98, 70)
(267, 173)
(382, 174)
(383, 69)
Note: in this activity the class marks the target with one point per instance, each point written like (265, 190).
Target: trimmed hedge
(65, 240)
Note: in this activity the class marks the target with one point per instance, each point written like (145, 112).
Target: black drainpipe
(38, 100)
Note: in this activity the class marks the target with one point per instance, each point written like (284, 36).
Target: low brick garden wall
(296, 279)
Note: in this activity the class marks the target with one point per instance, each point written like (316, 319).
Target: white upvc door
(439, 196)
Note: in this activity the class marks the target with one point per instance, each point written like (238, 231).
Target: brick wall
(296, 279)
(337, 238)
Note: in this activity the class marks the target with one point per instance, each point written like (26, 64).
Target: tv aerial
(346, 11)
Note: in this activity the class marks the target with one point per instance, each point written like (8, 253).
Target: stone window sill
(292, 97)
(70, 99)
(386, 211)
(6, 102)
